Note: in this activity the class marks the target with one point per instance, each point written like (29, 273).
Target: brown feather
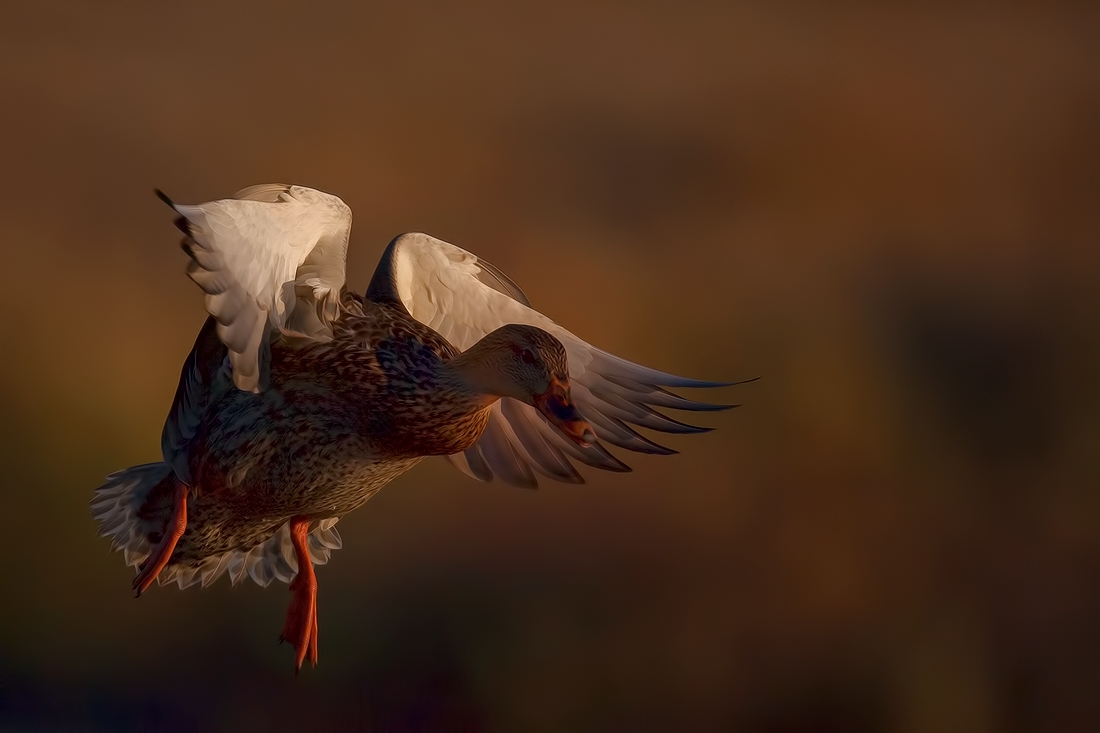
(340, 419)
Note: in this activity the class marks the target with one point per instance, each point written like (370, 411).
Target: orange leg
(162, 553)
(300, 628)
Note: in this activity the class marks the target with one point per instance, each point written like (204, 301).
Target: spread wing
(464, 298)
(272, 257)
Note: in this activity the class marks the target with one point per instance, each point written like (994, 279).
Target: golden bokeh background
(890, 214)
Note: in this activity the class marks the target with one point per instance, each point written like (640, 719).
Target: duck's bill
(559, 410)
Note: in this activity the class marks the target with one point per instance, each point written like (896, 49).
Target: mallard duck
(301, 399)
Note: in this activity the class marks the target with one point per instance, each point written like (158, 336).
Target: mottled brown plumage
(338, 420)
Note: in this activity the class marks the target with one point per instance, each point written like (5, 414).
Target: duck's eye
(528, 356)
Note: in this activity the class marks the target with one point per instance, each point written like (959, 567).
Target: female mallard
(301, 399)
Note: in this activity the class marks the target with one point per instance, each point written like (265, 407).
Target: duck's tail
(116, 506)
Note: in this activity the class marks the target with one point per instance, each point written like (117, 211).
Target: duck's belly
(265, 459)
(249, 514)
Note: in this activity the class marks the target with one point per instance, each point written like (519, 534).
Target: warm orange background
(890, 214)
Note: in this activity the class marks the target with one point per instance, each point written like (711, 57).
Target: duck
(301, 399)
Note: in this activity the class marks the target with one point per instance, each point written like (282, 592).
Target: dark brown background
(890, 214)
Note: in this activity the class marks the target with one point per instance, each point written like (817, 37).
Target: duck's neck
(472, 376)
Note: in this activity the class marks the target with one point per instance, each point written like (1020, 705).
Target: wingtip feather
(702, 384)
(164, 197)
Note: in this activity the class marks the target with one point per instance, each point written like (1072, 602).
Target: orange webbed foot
(162, 553)
(300, 628)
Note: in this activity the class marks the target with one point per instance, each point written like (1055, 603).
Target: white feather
(260, 257)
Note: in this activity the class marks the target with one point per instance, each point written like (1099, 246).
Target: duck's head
(530, 365)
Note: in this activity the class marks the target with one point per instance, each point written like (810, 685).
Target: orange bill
(556, 404)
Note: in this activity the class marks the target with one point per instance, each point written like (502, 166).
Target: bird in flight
(300, 399)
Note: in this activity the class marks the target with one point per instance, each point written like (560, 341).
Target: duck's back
(379, 377)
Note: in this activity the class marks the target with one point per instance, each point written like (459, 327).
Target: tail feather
(116, 504)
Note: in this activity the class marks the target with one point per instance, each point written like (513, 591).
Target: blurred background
(890, 214)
